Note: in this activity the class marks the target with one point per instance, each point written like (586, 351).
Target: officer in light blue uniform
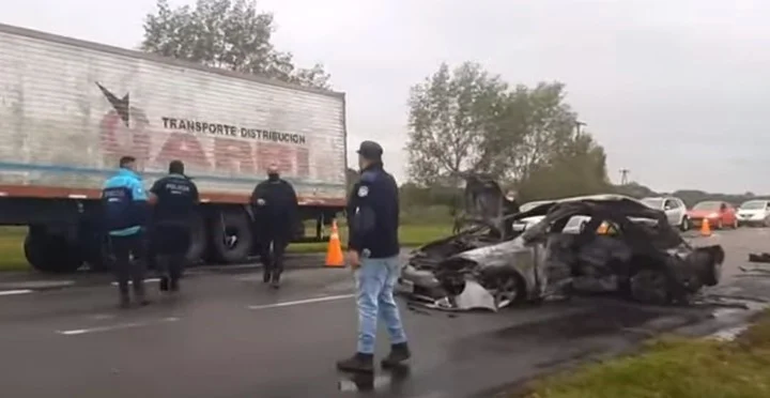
(125, 204)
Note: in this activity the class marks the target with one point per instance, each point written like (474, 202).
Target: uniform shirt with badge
(124, 203)
(373, 214)
(177, 199)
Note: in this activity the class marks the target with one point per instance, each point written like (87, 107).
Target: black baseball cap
(370, 150)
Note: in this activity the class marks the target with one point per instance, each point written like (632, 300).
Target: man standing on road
(274, 202)
(373, 250)
(172, 222)
(126, 208)
(510, 206)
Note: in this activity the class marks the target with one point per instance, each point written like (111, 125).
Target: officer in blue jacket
(373, 251)
(125, 204)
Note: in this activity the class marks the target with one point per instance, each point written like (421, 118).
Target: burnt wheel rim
(507, 290)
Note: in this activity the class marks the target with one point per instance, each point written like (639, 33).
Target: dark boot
(266, 276)
(164, 284)
(174, 285)
(359, 363)
(398, 354)
(276, 281)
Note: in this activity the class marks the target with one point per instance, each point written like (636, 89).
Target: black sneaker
(359, 363)
(398, 354)
(266, 277)
(164, 284)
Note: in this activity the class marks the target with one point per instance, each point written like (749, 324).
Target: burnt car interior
(604, 242)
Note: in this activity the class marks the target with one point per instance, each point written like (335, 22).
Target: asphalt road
(228, 335)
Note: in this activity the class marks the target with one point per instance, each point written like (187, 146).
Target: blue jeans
(375, 281)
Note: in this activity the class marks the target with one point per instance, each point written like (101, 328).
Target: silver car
(755, 212)
(675, 209)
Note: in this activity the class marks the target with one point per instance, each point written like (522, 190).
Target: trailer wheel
(198, 241)
(51, 253)
(231, 236)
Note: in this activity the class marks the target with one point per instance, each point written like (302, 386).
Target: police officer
(373, 250)
(125, 206)
(274, 203)
(174, 212)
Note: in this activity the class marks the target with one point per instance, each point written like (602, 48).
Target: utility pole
(578, 123)
(624, 176)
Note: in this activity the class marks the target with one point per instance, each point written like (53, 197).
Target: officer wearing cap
(373, 250)
(176, 208)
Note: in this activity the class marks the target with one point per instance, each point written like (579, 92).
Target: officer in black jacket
(174, 213)
(275, 207)
(373, 251)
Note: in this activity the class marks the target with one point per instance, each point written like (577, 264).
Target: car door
(678, 213)
(669, 206)
(725, 215)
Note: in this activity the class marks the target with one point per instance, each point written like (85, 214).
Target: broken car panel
(606, 243)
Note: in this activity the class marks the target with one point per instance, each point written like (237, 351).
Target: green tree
(579, 168)
(450, 115)
(225, 34)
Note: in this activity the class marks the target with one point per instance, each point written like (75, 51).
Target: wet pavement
(228, 335)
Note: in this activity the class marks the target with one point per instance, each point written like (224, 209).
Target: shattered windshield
(753, 205)
(655, 203)
(707, 206)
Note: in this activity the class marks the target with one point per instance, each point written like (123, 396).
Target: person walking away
(126, 208)
(275, 206)
(373, 250)
(172, 222)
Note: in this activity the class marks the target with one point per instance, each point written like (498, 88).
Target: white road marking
(300, 302)
(74, 332)
(15, 292)
(151, 280)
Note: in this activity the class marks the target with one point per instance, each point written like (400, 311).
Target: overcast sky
(675, 90)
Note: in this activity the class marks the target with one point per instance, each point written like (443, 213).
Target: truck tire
(198, 241)
(231, 236)
(51, 253)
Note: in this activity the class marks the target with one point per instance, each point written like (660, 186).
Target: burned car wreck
(603, 243)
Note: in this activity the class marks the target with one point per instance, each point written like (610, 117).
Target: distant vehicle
(675, 209)
(754, 212)
(522, 224)
(718, 213)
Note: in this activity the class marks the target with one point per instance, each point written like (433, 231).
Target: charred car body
(607, 243)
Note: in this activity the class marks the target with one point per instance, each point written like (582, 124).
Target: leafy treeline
(226, 34)
(689, 196)
(467, 120)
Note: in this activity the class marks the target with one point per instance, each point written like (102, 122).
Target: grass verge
(676, 368)
(12, 243)
(12, 249)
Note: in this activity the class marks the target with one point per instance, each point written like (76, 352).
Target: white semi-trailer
(69, 109)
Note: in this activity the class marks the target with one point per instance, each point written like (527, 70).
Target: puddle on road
(391, 380)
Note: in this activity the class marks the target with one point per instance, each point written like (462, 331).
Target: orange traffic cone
(705, 229)
(334, 256)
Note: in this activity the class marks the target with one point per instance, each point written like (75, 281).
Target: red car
(719, 214)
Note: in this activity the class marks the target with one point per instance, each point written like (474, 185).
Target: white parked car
(754, 212)
(675, 209)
